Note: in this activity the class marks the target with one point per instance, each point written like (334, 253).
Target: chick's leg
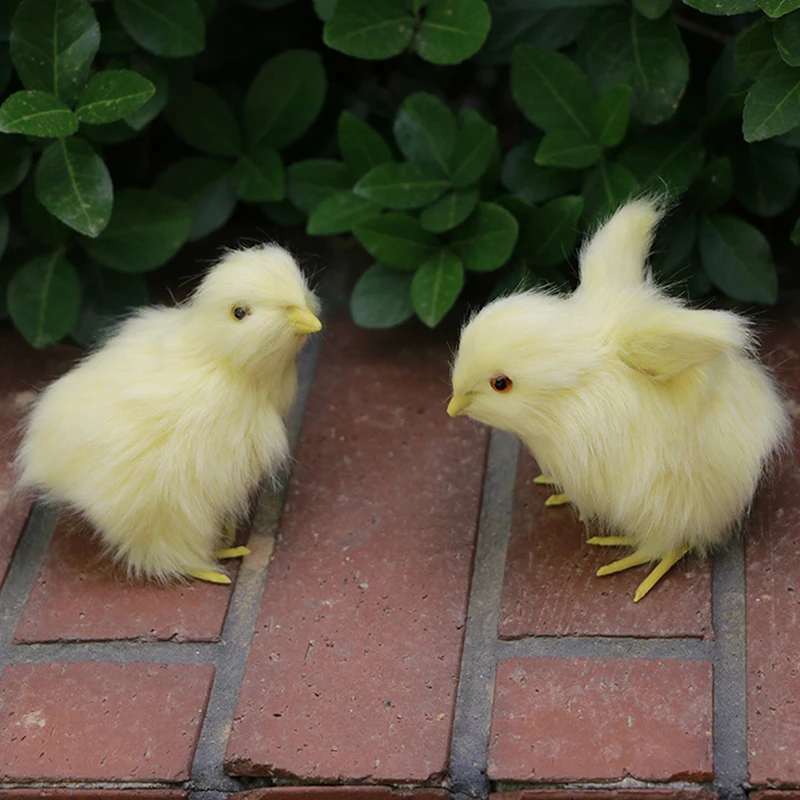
(544, 480)
(611, 541)
(232, 552)
(209, 575)
(661, 569)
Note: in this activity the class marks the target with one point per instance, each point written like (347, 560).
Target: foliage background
(466, 144)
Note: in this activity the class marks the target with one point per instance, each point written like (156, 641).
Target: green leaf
(44, 296)
(174, 29)
(205, 184)
(486, 240)
(754, 49)
(398, 240)
(285, 98)
(551, 90)
(325, 9)
(449, 211)
(259, 176)
(339, 212)
(53, 43)
(605, 190)
(772, 106)
(726, 88)
(552, 231)
(73, 184)
(283, 213)
(436, 287)
(41, 224)
(787, 38)
(146, 229)
(523, 176)
(623, 47)
(362, 147)
(114, 39)
(402, 186)
(738, 260)
(569, 149)
(35, 113)
(146, 113)
(381, 298)
(713, 185)
(15, 161)
(674, 245)
(767, 177)
(107, 296)
(611, 115)
(112, 95)
(425, 130)
(365, 29)
(452, 30)
(310, 182)
(777, 8)
(203, 120)
(110, 133)
(723, 7)
(476, 142)
(667, 158)
(3, 230)
(652, 9)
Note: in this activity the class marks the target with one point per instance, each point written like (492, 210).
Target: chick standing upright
(160, 436)
(654, 419)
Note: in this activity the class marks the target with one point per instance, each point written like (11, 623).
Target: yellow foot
(661, 569)
(209, 575)
(231, 552)
(557, 500)
(611, 541)
(633, 560)
(544, 480)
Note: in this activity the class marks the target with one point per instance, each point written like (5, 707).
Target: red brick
(353, 667)
(605, 794)
(101, 722)
(773, 602)
(574, 719)
(24, 371)
(81, 595)
(775, 794)
(340, 793)
(551, 587)
(96, 794)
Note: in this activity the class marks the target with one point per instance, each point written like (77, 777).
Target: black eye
(240, 312)
(501, 384)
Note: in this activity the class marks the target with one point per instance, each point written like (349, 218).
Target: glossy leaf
(523, 176)
(146, 113)
(738, 260)
(369, 30)
(146, 229)
(786, 31)
(361, 145)
(174, 29)
(476, 142)
(284, 98)
(15, 161)
(449, 211)
(310, 182)
(486, 240)
(568, 149)
(675, 243)
(53, 43)
(726, 8)
(713, 186)
(767, 178)
(452, 30)
(755, 49)
(398, 240)
(402, 186)
(35, 113)
(112, 95)
(199, 116)
(611, 115)
(606, 189)
(425, 130)
(73, 184)
(652, 9)
(436, 287)
(259, 176)
(381, 298)
(772, 106)
(777, 8)
(40, 223)
(726, 88)
(552, 231)
(339, 212)
(44, 296)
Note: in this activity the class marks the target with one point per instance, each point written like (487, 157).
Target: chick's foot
(557, 500)
(209, 575)
(661, 569)
(544, 480)
(611, 541)
(231, 552)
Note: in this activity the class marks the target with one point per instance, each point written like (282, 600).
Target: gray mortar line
(730, 673)
(473, 712)
(573, 646)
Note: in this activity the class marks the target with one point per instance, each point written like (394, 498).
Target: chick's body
(160, 436)
(654, 419)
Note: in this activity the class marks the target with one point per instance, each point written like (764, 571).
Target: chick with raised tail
(160, 436)
(654, 419)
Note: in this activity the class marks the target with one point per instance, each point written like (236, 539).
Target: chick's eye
(501, 384)
(240, 312)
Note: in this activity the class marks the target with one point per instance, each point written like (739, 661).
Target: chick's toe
(544, 480)
(557, 500)
(661, 569)
(209, 575)
(231, 552)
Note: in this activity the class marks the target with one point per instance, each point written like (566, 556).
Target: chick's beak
(458, 405)
(303, 320)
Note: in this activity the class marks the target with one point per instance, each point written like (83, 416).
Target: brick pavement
(412, 623)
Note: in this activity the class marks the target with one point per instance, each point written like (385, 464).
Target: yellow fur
(160, 436)
(654, 419)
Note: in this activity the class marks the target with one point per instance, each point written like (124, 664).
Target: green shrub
(450, 137)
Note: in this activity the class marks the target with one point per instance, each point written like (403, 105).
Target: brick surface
(775, 794)
(773, 600)
(80, 594)
(353, 667)
(100, 721)
(551, 587)
(340, 793)
(574, 719)
(96, 794)
(24, 371)
(605, 794)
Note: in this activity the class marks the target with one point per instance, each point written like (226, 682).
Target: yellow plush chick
(654, 419)
(161, 435)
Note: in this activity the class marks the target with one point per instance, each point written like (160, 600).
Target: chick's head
(254, 308)
(515, 356)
